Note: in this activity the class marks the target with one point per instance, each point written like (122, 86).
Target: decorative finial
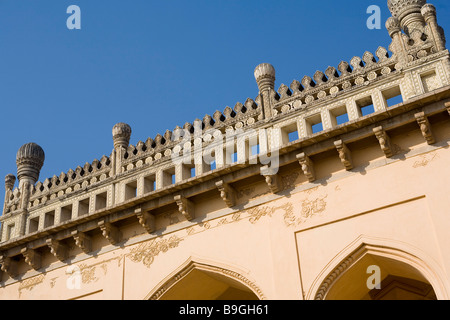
(408, 13)
(393, 26)
(401, 8)
(265, 76)
(121, 135)
(10, 180)
(29, 160)
(428, 9)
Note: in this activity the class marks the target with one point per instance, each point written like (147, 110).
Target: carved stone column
(121, 136)
(398, 44)
(265, 78)
(10, 180)
(429, 14)
(408, 14)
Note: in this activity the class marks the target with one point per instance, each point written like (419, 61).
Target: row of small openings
(67, 212)
(339, 115)
(169, 177)
(253, 150)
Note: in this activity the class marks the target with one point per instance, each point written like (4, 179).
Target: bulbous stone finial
(428, 10)
(121, 135)
(408, 13)
(265, 76)
(401, 8)
(393, 26)
(29, 160)
(10, 180)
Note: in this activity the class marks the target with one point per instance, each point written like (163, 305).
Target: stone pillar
(398, 45)
(29, 160)
(429, 13)
(121, 136)
(408, 14)
(265, 78)
(10, 180)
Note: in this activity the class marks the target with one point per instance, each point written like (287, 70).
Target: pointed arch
(204, 266)
(386, 248)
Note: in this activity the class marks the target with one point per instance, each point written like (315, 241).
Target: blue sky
(156, 64)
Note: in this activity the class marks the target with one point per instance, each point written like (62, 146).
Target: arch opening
(380, 278)
(199, 281)
(380, 269)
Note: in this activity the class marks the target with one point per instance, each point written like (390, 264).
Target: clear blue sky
(156, 64)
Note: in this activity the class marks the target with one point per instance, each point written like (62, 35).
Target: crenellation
(159, 141)
(307, 83)
(357, 64)
(382, 54)
(362, 75)
(229, 113)
(284, 92)
(250, 104)
(296, 87)
(344, 68)
(319, 78)
(218, 118)
(208, 122)
(331, 73)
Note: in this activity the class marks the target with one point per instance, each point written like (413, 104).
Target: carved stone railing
(64, 185)
(328, 85)
(155, 151)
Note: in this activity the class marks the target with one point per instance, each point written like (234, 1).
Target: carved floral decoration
(147, 251)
